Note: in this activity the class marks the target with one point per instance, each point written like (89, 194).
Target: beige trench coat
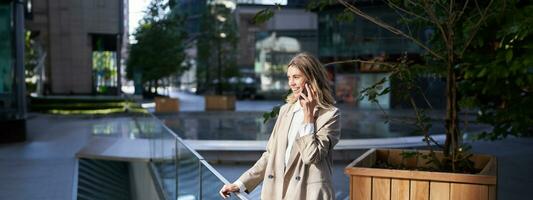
(308, 172)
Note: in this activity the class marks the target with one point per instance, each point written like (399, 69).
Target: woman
(297, 162)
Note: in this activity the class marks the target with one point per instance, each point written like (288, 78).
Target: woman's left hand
(308, 103)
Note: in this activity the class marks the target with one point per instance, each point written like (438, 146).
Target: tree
(497, 76)
(160, 49)
(464, 32)
(217, 46)
(457, 25)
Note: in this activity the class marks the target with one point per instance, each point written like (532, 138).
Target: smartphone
(304, 91)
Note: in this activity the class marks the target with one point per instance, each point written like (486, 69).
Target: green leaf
(346, 16)
(482, 73)
(263, 16)
(272, 114)
(509, 56)
(409, 154)
(385, 91)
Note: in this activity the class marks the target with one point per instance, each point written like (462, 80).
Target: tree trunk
(452, 131)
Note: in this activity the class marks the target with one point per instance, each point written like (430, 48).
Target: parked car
(244, 87)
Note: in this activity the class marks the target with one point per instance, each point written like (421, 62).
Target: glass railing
(363, 124)
(182, 172)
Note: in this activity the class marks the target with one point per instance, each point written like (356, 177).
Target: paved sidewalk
(44, 166)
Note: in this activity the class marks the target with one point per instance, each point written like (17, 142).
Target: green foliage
(84, 106)
(484, 51)
(374, 91)
(275, 111)
(346, 16)
(160, 48)
(263, 16)
(430, 161)
(272, 114)
(489, 49)
(31, 59)
(319, 4)
(498, 76)
(104, 69)
(217, 44)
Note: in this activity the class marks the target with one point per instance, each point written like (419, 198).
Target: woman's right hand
(227, 189)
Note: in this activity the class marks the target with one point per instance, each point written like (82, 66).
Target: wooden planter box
(219, 102)
(368, 183)
(165, 104)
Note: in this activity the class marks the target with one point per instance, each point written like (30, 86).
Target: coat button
(270, 176)
(298, 178)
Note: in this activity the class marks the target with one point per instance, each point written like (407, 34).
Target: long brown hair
(316, 75)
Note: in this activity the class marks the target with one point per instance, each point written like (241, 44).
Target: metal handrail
(159, 185)
(200, 158)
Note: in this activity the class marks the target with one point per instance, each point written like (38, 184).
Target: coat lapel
(281, 141)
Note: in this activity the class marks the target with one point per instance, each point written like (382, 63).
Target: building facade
(360, 39)
(265, 49)
(262, 49)
(82, 44)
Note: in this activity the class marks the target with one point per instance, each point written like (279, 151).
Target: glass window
(104, 70)
(361, 38)
(8, 103)
(104, 63)
(6, 50)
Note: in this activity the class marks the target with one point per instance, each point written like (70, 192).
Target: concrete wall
(64, 31)
(142, 183)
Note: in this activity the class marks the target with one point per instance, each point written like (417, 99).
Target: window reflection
(128, 128)
(106, 129)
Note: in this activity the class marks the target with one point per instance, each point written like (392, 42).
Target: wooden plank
(381, 188)
(382, 154)
(365, 160)
(362, 188)
(220, 102)
(461, 191)
(419, 190)
(439, 191)
(492, 192)
(400, 189)
(412, 161)
(163, 104)
(491, 168)
(480, 162)
(423, 175)
(352, 185)
(369, 160)
(395, 157)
